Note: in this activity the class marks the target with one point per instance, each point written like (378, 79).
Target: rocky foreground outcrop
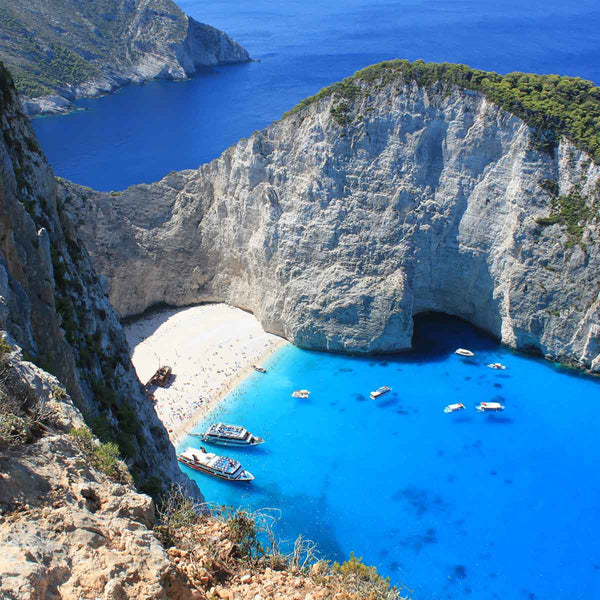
(62, 50)
(72, 526)
(54, 306)
(339, 223)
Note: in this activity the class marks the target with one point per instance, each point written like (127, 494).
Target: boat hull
(225, 442)
(246, 475)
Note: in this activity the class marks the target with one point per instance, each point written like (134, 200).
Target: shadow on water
(435, 335)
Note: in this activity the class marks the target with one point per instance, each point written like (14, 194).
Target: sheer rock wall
(336, 231)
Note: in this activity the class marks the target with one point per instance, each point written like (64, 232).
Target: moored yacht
(229, 435)
(496, 366)
(380, 391)
(454, 407)
(489, 407)
(213, 464)
(464, 352)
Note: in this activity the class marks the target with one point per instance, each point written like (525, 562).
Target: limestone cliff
(61, 50)
(54, 307)
(338, 224)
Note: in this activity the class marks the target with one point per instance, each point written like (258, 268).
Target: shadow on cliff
(436, 335)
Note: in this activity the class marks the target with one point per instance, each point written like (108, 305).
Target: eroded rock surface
(61, 50)
(338, 224)
(54, 306)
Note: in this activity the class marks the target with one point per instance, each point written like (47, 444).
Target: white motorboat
(301, 394)
(464, 352)
(454, 407)
(229, 435)
(496, 366)
(384, 389)
(489, 407)
(213, 464)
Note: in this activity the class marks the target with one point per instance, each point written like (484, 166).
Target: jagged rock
(54, 307)
(336, 235)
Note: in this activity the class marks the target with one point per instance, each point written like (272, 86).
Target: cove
(141, 133)
(465, 505)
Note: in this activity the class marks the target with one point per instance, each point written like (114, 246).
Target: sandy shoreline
(210, 348)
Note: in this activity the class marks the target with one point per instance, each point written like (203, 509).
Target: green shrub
(552, 105)
(104, 456)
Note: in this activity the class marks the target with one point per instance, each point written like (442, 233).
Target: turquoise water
(143, 132)
(465, 505)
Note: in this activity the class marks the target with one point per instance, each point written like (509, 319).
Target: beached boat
(489, 407)
(384, 389)
(162, 377)
(496, 366)
(213, 464)
(464, 352)
(229, 435)
(454, 407)
(301, 394)
(259, 369)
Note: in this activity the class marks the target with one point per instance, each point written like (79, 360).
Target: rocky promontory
(54, 307)
(62, 50)
(385, 197)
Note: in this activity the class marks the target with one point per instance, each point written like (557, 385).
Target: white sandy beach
(210, 348)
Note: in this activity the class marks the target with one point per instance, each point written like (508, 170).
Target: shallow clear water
(143, 132)
(465, 505)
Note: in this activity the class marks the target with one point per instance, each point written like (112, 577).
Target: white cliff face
(335, 236)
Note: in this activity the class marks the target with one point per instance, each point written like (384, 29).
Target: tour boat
(301, 394)
(380, 391)
(229, 435)
(489, 407)
(212, 464)
(464, 352)
(259, 369)
(454, 407)
(496, 366)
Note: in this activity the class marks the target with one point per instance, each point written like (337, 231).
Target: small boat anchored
(489, 407)
(301, 394)
(496, 366)
(259, 369)
(229, 435)
(464, 352)
(454, 407)
(384, 389)
(213, 464)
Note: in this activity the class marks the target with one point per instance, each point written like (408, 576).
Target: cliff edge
(54, 307)
(61, 50)
(385, 197)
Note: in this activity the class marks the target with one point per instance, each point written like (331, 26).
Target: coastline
(211, 349)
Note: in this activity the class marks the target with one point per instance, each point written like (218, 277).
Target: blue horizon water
(141, 133)
(457, 506)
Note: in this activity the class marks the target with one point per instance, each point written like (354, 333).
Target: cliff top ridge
(553, 105)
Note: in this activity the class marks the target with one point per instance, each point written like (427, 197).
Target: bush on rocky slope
(553, 105)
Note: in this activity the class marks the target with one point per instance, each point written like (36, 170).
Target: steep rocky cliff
(60, 50)
(374, 203)
(55, 308)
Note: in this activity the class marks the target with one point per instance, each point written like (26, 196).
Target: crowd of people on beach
(208, 353)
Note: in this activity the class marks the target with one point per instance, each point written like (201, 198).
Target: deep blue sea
(143, 132)
(455, 506)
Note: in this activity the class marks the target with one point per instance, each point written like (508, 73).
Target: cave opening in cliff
(441, 333)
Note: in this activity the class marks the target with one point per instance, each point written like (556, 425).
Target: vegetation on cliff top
(49, 45)
(553, 105)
